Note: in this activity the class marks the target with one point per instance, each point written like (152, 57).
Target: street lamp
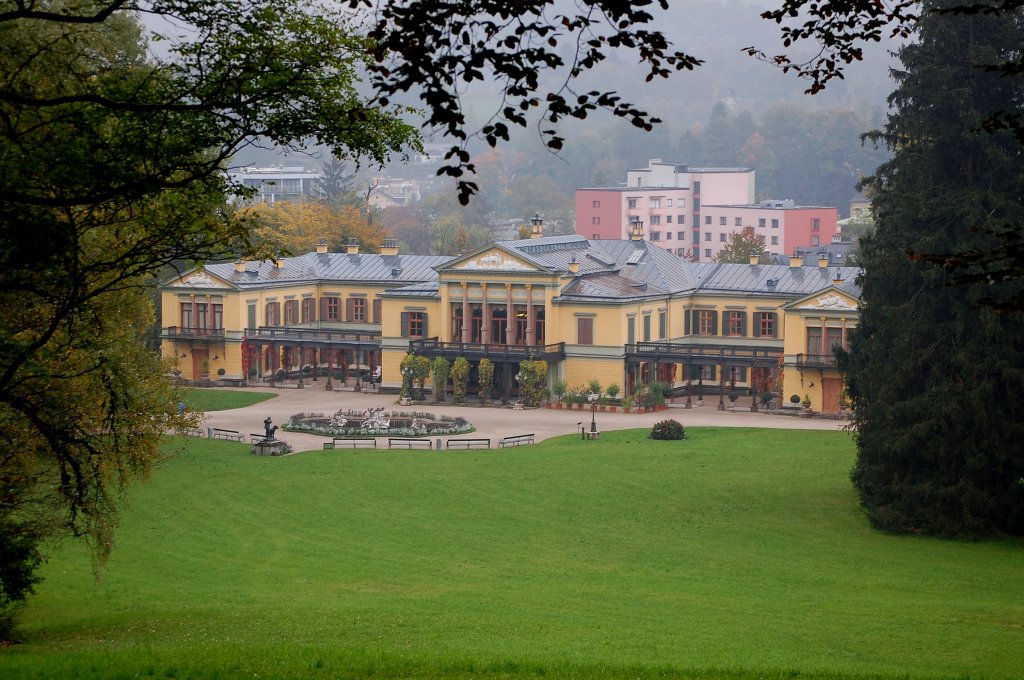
(592, 398)
(407, 383)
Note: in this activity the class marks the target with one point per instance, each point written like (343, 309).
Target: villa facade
(619, 311)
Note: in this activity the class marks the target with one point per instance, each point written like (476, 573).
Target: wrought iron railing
(815, 361)
(312, 335)
(433, 346)
(693, 352)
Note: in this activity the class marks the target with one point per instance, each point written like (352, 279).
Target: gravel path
(494, 422)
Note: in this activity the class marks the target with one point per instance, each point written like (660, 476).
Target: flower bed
(375, 422)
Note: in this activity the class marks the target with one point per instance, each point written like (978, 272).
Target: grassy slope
(199, 399)
(741, 550)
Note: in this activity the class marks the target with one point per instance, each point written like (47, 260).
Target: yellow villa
(620, 312)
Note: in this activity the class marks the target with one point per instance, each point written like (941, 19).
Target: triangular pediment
(492, 260)
(829, 299)
(198, 278)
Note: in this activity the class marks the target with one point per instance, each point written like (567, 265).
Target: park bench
(469, 443)
(516, 440)
(397, 443)
(193, 432)
(234, 435)
(351, 443)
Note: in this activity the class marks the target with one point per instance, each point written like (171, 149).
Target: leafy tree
(297, 226)
(460, 378)
(441, 369)
(532, 376)
(485, 377)
(935, 377)
(741, 246)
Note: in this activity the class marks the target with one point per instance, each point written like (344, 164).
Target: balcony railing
(815, 361)
(686, 353)
(471, 350)
(312, 335)
(184, 333)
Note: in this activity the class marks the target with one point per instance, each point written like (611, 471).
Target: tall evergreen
(937, 379)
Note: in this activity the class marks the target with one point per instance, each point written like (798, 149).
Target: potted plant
(612, 391)
(733, 396)
(765, 399)
(627, 403)
(558, 389)
(806, 404)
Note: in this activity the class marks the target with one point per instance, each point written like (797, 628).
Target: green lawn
(199, 399)
(735, 554)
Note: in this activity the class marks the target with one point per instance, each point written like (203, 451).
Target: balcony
(183, 333)
(318, 336)
(736, 355)
(815, 361)
(432, 347)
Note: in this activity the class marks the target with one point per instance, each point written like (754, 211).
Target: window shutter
(376, 310)
(350, 307)
(714, 322)
(743, 323)
(775, 324)
(426, 333)
(323, 309)
(405, 324)
(757, 324)
(686, 323)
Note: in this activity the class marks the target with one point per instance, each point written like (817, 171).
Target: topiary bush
(668, 429)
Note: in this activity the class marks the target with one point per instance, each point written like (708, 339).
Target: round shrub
(668, 429)
(794, 399)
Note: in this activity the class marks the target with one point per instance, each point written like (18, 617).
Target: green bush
(667, 429)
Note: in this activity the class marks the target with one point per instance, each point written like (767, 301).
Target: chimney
(353, 247)
(823, 260)
(240, 266)
(321, 247)
(279, 263)
(754, 259)
(636, 231)
(389, 247)
(837, 278)
(536, 226)
(795, 261)
(574, 266)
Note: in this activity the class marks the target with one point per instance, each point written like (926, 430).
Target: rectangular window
(655, 219)
(707, 252)
(291, 186)
(696, 188)
(252, 315)
(775, 240)
(814, 342)
(308, 310)
(355, 310)
(630, 330)
(186, 315)
(584, 330)
(668, 235)
(668, 219)
(376, 310)
(834, 338)
(414, 324)
(815, 224)
(595, 204)
(707, 219)
(735, 323)
(331, 309)
(707, 322)
(668, 203)
(655, 235)
(722, 221)
(775, 224)
(631, 204)
(814, 240)
(738, 222)
(654, 202)
(722, 238)
(647, 327)
(273, 314)
(681, 220)
(681, 235)
(764, 324)
(291, 312)
(595, 220)
(761, 222)
(707, 235)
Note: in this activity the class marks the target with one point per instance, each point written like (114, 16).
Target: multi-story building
(667, 198)
(782, 226)
(387, 192)
(273, 184)
(619, 311)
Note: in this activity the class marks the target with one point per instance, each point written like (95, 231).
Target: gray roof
(363, 267)
(788, 281)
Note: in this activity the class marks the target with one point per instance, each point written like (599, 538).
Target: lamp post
(583, 433)
(592, 398)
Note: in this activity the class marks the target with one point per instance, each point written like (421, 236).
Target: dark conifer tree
(936, 378)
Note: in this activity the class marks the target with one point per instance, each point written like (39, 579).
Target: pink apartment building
(782, 225)
(667, 198)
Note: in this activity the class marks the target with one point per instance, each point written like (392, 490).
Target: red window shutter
(349, 309)
(376, 310)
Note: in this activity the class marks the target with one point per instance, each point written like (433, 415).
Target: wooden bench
(516, 440)
(234, 435)
(469, 443)
(397, 443)
(351, 443)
